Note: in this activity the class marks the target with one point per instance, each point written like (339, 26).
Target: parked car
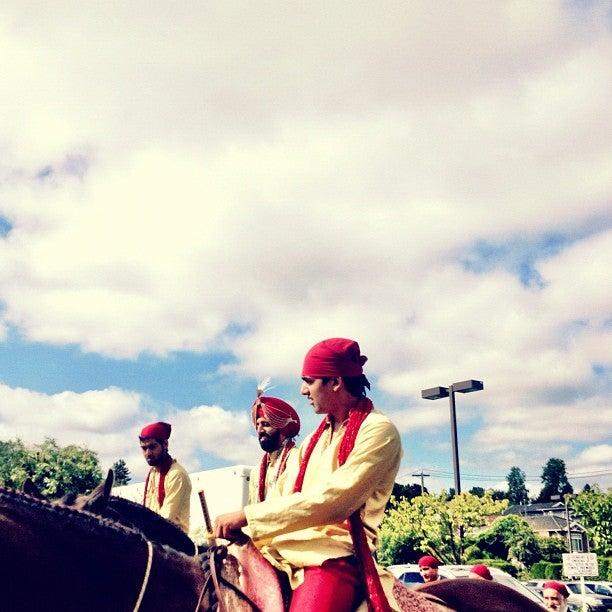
(601, 588)
(593, 602)
(575, 587)
(409, 574)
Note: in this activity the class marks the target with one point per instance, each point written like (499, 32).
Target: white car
(601, 588)
(410, 575)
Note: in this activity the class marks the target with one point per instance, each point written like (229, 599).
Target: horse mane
(153, 525)
(64, 519)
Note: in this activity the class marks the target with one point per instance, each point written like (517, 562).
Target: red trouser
(335, 586)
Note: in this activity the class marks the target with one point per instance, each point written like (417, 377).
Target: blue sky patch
(5, 227)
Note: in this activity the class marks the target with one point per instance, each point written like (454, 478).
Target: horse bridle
(145, 580)
(216, 556)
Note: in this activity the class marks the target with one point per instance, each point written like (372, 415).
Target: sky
(193, 194)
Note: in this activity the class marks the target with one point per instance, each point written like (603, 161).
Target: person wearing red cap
(428, 568)
(321, 530)
(167, 486)
(555, 595)
(481, 572)
(276, 424)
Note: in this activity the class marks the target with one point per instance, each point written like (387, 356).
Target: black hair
(355, 385)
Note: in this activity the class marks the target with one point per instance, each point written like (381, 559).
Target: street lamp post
(465, 386)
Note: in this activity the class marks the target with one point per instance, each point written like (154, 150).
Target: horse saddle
(244, 581)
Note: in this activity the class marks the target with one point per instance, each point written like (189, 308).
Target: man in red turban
(428, 567)
(321, 530)
(167, 486)
(481, 572)
(276, 424)
(555, 595)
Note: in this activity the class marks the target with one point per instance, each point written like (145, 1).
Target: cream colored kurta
(177, 499)
(271, 474)
(297, 530)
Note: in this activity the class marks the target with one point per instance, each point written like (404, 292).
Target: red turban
(557, 586)
(334, 357)
(278, 413)
(482, 570)
(159, 430)
(428, 561)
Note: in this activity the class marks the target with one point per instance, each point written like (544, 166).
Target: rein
(147, 574)
(216, 556)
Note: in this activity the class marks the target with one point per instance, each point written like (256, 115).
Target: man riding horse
(321, 530)
(167, 486)
(276, 424)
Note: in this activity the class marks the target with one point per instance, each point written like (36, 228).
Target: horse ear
(108, 483)
(31, 489)
(97, 500)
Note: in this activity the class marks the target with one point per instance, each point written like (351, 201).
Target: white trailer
(225, 489)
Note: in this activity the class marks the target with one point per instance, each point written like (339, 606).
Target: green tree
(431, 523)
(554, 480)
(517, 491)
(53, 469)
(498, 495)
(594, 510)
(552, 548)
(509, 538)
(16, 463)
(122, 473)
(478, 491)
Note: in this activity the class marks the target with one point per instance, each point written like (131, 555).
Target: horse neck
(55, 560)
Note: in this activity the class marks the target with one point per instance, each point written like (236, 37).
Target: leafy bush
(553, 571)
(538, 570)
(505, 566)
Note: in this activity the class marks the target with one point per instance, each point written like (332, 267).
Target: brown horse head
(128, 513)
(59, 558)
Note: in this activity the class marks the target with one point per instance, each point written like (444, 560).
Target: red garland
(161, 489)
(263, 468)
(377, 600)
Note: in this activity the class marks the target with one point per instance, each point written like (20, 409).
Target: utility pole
(422, 475)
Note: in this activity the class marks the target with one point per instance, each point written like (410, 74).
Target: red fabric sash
(161, 489)
(377, 600)
(263, 468)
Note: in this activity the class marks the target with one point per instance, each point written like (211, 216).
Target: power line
(440, 473)
(422, 475)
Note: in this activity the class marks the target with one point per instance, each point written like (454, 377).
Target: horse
(56, 558)
(128, 513)
(237, 578)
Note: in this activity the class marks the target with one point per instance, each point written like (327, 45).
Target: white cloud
(108, 422)
(308, 173)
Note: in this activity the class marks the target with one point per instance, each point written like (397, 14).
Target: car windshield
(411, 578)
(574, 587)
(601, 589)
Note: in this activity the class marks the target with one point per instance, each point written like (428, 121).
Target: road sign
(580, 564)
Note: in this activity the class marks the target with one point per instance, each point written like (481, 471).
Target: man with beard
(276, 424)
(167, 487)
(555, 595)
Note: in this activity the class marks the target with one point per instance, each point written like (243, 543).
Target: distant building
(549, 519)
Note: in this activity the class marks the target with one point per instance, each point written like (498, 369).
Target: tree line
(555, 485)
(470, 528)
(55, 470)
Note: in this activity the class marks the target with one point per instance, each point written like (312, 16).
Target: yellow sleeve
(178, 490)
(377, 451)
(254, 485)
